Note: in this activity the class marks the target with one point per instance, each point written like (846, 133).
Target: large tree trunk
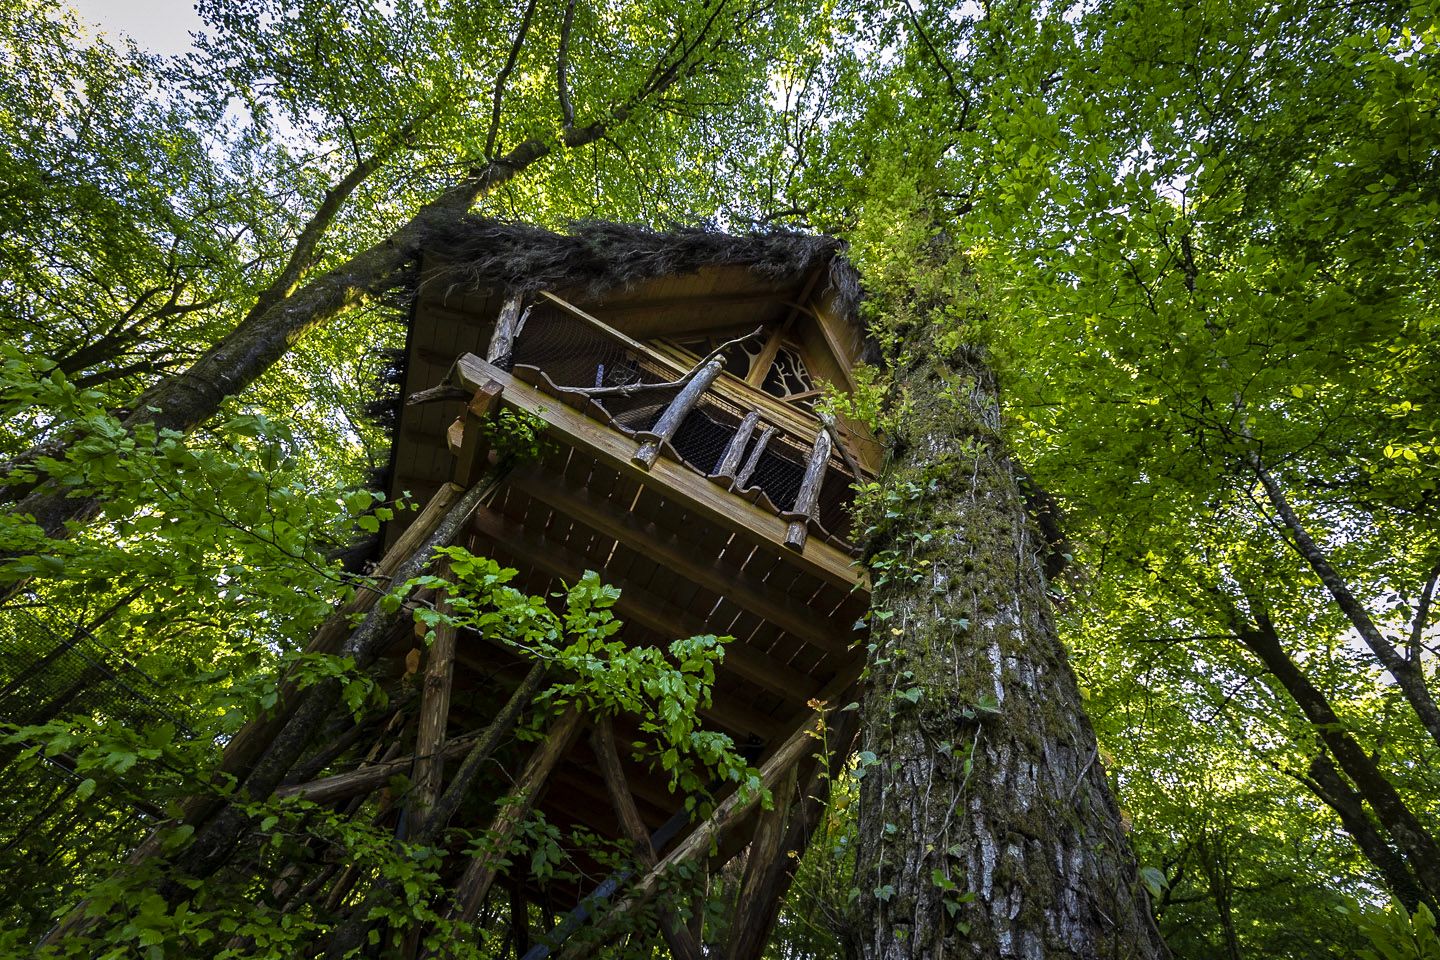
(987, 828)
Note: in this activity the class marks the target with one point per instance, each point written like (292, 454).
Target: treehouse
(686, 461)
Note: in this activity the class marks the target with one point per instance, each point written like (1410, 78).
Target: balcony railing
(780, 457)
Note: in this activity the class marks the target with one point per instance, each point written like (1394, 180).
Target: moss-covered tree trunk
(987, 828)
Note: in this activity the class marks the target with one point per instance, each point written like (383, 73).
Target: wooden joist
(657, 614)
(752, 595)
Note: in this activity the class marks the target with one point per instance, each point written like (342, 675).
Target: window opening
(787, 377)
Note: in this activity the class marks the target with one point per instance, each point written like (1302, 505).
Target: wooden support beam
(756, 376)
(254, 736)
(803, 512)
(475, 883)
(361, 780)
(347, 936)
(519, 919)
(651, 440)
(727, 815)
(434, 711)
(642, 349)
(751, 595)
(507, 327)
(768, 875)
(683, 945)
(765, 849)
(473, 449)
(643, 608)
(476, 747)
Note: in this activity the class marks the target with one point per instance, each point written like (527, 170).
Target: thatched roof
(597, 256)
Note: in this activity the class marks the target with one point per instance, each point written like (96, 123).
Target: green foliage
(1186, 236)
(1395, 934)
(665, 688)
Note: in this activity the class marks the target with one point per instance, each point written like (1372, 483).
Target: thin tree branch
(1422, 617)
(1408, 676)
(504, 76)
(562, 68)
(939, 60)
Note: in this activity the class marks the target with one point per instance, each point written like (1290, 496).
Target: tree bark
(987, 828)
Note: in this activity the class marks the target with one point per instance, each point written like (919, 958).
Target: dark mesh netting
(833, 511)
(779, 472)
(575, 354)
(640, 411)
(53, 670)
(702, 438)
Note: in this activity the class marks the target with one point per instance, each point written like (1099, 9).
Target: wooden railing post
(809, 495)
(730, 460)
(669, 422)
(743, 477)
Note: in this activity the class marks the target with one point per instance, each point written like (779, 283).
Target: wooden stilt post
(730, 459)
(591, 904)
(727, 814)
(764, 848)
(519, 918)
(480, 873)
(682, 942)
(351, 934)
(270, 746)
(434, 714)
(680, 407)
(768, 874)
(215, 839)
(252, 739)
(507, 327)
(809, 495)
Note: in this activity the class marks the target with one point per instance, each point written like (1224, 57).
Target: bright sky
(162, 26)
